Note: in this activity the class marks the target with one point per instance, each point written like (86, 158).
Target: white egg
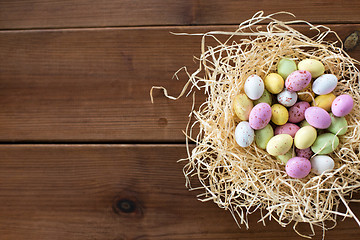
(287, 98)
(244, 134)
(254, 87)
(324, 84)
(321, 163)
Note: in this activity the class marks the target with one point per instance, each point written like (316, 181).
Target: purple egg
(297, 80)
(297, 112)
(260, 116)
(287, 128)
(305, 153)
(318, 117)
(342, 105)
(298, 167)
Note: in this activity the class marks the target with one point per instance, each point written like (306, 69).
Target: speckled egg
(297, 112)
(279, 144)
(306, 94)
(279, 114)
(305, 137)
(324, 84)
(285, 67)
(260, 116)
(274, 83)
(298, 167)
(324, 101)
(315, 67)
(342, 105)
(297, 80)
(242, 106)
(244, 134)
(287, 98)
(325, 143)
(321, 163)
(287, 128)
(254, 87)
(305, 153)
(318, 117)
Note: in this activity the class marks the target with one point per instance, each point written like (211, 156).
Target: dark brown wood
(93, 84)
(70, 192)
(18, 14)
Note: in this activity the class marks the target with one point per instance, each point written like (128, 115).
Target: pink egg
(298, 167)
(318, 117)
(342, 105)
(260, 116)
(297, 112)
(305, 153)
(297, 80)
(287, 128)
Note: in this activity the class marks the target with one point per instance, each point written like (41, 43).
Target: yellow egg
(306, 93)
(279, 144)
(324, 101)
(305, 137)
(279, 114)
(242, 106)
(315, 67)
(274, 83)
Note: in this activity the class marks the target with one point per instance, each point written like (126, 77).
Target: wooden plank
(18, 14)
(93, 84)
(69, 192)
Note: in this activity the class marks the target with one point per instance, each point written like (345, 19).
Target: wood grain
(68, 192)
(19, 14)
(93, 84)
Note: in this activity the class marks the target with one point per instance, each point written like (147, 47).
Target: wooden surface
(78, 74)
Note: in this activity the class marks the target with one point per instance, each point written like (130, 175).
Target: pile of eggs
(306, 114)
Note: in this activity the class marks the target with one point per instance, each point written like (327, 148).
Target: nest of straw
(243, 180)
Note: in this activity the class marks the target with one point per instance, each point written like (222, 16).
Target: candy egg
(274, 83)
(305, 153)
(306, 94)
(260, 116)
(342, 105)
(325, 143)
(321, 163)
(263, 136)
(304, 123)
(287, 128)
(279, 114)
(324, 101)
(338, 125)
(254, 87)
(285, 67)
(242, 106)
(265, 98)
(244, 134)
(324, 84)
(318, 117)
(297, 112)
(287, 98)
(279, 144)
(297, 80)
(285, 158)
(298, 167)
(305, 137)
(315, 67)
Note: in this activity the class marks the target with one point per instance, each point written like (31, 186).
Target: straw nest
(243, 180)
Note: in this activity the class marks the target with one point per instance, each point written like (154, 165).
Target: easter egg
(242, 106)
(297, 112)
(324, 101)
(265, 98)
(274, 83)
(254, 87)
(287, 128)
(279, 144)
(287, 98)
(325, 143)
(244, 134)
(284, 158)
(297, 80)
(260, 116)
(298, 167)
(315, 67)
(342, 105)
(306, 94)
(338, 125)
(321, 163)
(324, 84)
(304, 123)
(305, 153)
(305, 137)
(318, 117)
(285, 67)
(263, 136)
(279, 114)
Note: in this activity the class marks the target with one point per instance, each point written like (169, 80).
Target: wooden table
(84, 154)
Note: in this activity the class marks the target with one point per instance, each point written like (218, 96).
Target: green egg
(263, 136)
(304, 123)
(338, 125)
(265, 98)
(325, 143)
(285, 67)
(284, 158)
